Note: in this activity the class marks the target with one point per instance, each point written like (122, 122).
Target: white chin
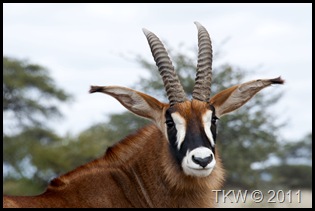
(197, 171)
(191, 168)
(203, 172)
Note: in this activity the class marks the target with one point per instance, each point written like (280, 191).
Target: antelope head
(189, 126)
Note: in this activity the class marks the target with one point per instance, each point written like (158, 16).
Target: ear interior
(139, 103)
(236, 96)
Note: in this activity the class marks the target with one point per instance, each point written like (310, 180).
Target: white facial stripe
(206, 118)
(180, 125)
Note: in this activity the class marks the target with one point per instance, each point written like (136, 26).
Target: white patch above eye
(206, 118)
(180, 125)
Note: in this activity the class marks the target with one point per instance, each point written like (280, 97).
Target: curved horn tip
(145, 31)
(277, 80)
(197, 24)
(95, 89)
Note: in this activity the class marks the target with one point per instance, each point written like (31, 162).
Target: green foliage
(23, 186)
(297, 151)
(20, 146)
(121, 125)
(295, 168)
(290, 176)
(29, 94)
(30, 97)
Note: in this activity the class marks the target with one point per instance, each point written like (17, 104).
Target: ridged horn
(202, 88)
(174, 89)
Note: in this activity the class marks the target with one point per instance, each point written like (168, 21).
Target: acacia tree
(30, 97)
(33, 153)
(294, 170)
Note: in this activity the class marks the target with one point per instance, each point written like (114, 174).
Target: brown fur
(135, 172)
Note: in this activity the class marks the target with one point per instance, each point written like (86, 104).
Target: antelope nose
(202, 161)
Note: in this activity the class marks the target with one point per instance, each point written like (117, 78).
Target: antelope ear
(137, 102)
(234, 97)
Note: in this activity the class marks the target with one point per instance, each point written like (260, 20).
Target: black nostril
(202, 161)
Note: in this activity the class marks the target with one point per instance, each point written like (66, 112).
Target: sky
(94, 44)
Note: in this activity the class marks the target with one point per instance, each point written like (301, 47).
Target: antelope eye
(169, 123)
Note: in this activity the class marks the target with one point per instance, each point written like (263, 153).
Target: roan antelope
(171, 163)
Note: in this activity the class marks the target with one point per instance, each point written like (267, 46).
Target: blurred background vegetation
(254, 155)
